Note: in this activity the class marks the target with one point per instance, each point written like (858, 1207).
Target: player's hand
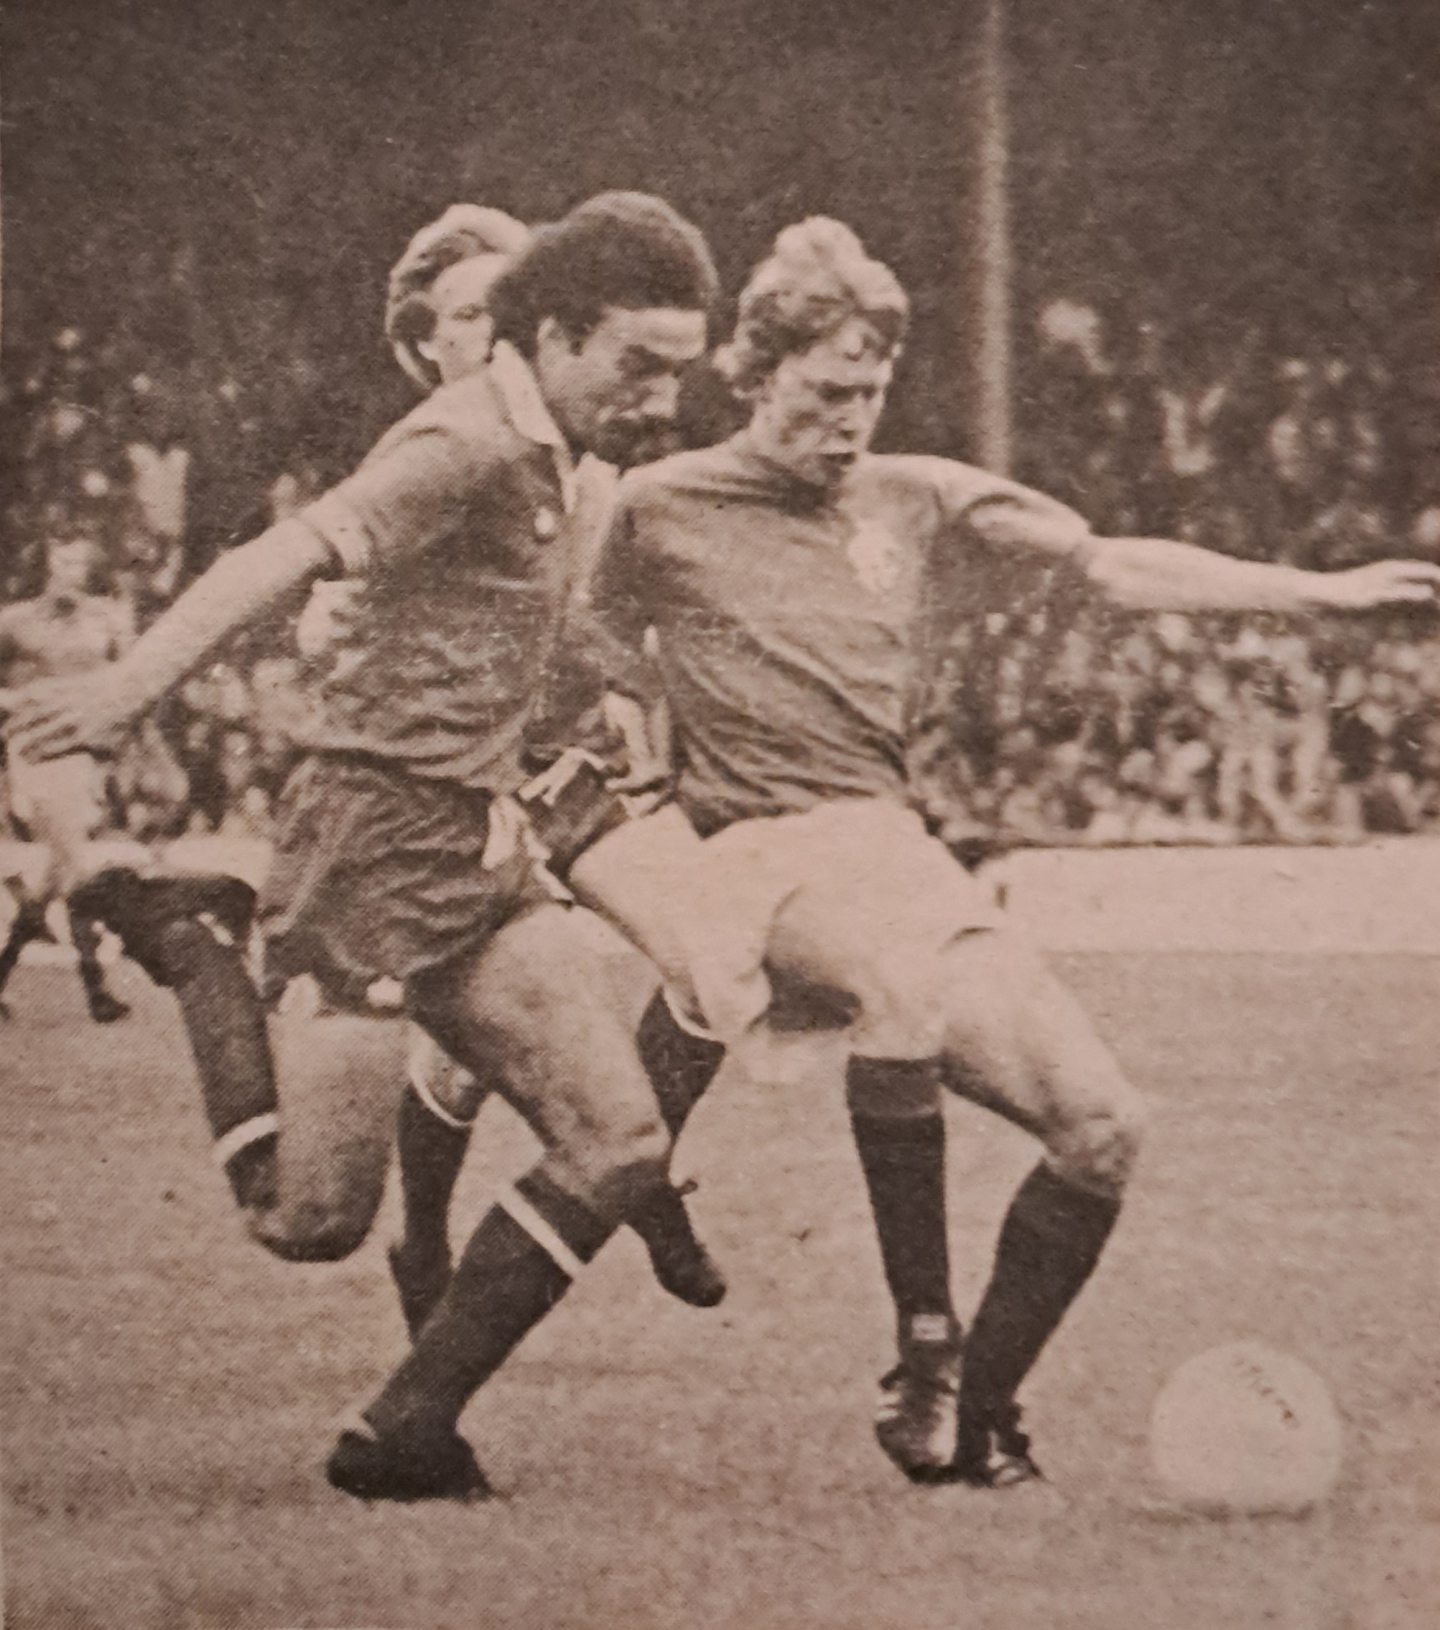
(1384, 583)
(87, 713)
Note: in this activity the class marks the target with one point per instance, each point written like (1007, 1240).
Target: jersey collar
(525, 407)
(783, 483)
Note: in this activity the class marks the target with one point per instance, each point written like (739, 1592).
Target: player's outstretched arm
(55, 717)
(1158, 574)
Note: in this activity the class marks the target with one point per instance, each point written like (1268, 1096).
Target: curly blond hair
(817, 277)
(463, 232)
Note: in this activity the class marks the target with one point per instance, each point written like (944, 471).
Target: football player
(65, 630)
(438, 322)
(797, 584)
(400, 854)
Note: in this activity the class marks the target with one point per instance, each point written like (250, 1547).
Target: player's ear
(550, 336)
(554, 333)
(426, 349)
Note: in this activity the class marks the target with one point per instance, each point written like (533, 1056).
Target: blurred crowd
(1312, 439)
(1049, 722)
(1051, 727)
(162, 447)
(1308, 441)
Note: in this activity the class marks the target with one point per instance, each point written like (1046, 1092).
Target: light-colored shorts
(854, 897)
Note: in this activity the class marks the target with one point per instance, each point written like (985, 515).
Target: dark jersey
(459, 527)
(791, 626)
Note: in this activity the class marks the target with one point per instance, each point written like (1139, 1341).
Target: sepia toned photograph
(719, 815)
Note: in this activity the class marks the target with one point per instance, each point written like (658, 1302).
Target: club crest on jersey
(876, 556)
(547, 524)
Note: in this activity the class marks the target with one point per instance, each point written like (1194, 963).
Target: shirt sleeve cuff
(342, 530)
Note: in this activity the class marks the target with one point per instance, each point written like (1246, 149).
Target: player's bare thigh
(872, 900)
(1017, 1042)
(890, 917)
(550, 1008)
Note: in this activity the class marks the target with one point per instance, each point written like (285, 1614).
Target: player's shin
(1050, 1242)
(28, 925)
(224, 1021)
(1049, 1245)
(899, 1132)
(680, 1060)
(104, 1006)
(188, 934)
(431, 1144)
(900, 1136)
(522, 1258)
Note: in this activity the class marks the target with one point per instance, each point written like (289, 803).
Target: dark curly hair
(622, 249)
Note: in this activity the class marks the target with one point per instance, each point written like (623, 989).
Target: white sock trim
(422, 1091)
(522, 1212)
(242, 1136)
(684, 1020)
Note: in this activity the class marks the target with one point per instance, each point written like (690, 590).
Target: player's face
(815, 415)
(459, 343)
(621, 385)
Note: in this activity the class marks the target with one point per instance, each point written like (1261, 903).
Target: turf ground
(168, 1392)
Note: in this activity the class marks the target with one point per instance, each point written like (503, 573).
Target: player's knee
(627, 1159)
(449, 1091)
(1098, 1150)
(311, 1233)
(328, 1200)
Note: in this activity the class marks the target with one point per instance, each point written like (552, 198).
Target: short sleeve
(412, 493)
(1003, 514)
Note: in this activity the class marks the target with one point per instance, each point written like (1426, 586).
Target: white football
(1243, 1430)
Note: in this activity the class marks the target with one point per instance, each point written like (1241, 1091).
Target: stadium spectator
(1308, 441)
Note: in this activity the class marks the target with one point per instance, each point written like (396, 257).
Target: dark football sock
(903, 1159)
(431, 1153)
(520, 1261)
(85, 937)
(188, 934)
(680, 1065)
(1049, 1243)
(29, 924)
(225, 1022)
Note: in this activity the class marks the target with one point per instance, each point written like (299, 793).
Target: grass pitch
(169, 1393)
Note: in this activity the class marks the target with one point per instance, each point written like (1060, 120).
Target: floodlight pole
(993, 263)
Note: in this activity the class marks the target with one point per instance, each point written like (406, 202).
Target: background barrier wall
(1376, 897)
